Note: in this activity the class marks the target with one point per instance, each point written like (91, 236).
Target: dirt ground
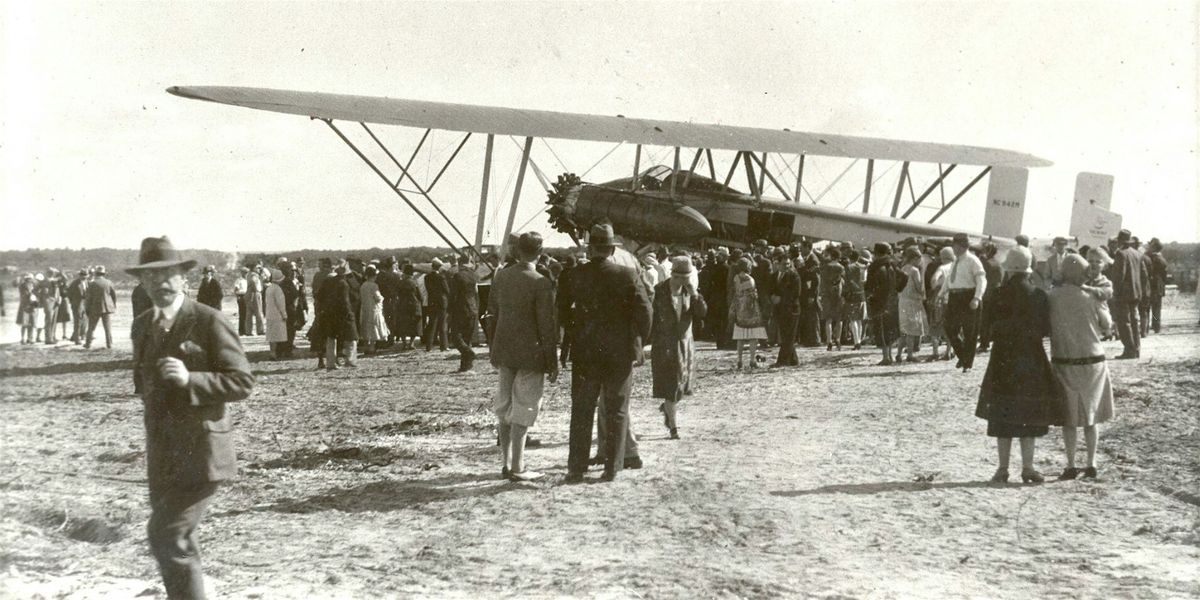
(838, 479)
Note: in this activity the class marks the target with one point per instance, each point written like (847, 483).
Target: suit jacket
(787, 288)
(77, 292)
(609, 313)
(189, 429)
(140, 299)
(101, 297)
(521, 303)
(464, 293)
(1129, 275)
(436, 289)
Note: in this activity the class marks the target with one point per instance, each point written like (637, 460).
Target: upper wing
(572, 126)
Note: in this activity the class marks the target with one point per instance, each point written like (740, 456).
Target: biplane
(695, 205)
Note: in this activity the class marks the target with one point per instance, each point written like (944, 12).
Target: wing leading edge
(598, 128)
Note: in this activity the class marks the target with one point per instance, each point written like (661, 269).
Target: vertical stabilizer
(1091, 220)
(1005, 201)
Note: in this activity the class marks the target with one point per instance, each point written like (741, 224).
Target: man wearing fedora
(100, 304)
(609, 313)
(1130, 282)
(187, 364)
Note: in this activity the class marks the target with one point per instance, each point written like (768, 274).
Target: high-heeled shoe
(1069, 473)
(1031, 476)
(1001, 476)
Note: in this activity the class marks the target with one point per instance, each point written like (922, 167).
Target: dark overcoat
(1019, 386)
(337, 318)
(189, 429)
(670, 345)
(609, 314)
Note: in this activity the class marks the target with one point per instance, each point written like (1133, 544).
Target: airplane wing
(572, 126)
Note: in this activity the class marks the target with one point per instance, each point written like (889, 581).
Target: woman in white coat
(276, 313)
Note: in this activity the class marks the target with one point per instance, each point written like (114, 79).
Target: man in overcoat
(464, 311)
(438, 293)
(76, 295)
(1130, 281)
(210, 292)
(610, 317)
(187, 364)
(101, 303)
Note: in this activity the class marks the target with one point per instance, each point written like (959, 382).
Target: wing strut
(899, 189)
(404, 173)
(764, 172)
(960, 194)
(512, 210)
(448, 161)
(867, 190)
(800, 180)
(933, 186)
(410, 204)
(483, 192)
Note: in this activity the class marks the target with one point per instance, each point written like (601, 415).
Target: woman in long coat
(677, 305)
(408, 309)
(911, 303)
(1019, 397)
(372, 326)
(276, 314)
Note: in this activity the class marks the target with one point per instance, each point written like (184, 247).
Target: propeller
(561, 203)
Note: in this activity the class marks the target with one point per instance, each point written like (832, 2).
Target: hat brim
(161, 264)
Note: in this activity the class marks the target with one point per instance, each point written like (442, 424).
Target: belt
(969, 290)
(1089, 360)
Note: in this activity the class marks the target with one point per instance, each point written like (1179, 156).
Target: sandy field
(838, 479)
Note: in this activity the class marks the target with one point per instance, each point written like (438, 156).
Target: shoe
(505, 473)
(1124, 356)
(1069, 473)
(1090, 473)
(885, 362)
(959, 364)
(829, 347)
(933, 358)
(966, 369)
(595, 461)
(608, 476)
(525, 475)
(333, 367)
(739, 365)
(633, 462)
(858, 346)
(674, 433)
(1001, 476)
(532, 442)
(1031, 476)
(573, 478)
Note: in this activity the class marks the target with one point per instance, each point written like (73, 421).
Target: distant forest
(115, 260)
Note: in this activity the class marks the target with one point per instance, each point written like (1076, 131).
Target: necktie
(954, 269)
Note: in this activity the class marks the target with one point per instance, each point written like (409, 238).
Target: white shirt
(967, 272)
(168, 312)
(239, 286)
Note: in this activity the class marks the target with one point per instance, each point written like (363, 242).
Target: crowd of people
(597, 311)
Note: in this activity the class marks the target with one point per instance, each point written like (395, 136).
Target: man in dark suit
(76, 295)
(786, 300)
(210, 292)
(610, 317)
(438, 292)
(464, 311)
(101, 303)
(523, 350)
(187, 364)
(1130, 280)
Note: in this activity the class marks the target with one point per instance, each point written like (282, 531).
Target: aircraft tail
(1005, 201)
(1092, 223)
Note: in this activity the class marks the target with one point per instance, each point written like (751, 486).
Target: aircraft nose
(691, 223)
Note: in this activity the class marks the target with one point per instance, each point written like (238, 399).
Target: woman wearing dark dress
(1018, 397)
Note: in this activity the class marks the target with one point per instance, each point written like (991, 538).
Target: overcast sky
(96, 153)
